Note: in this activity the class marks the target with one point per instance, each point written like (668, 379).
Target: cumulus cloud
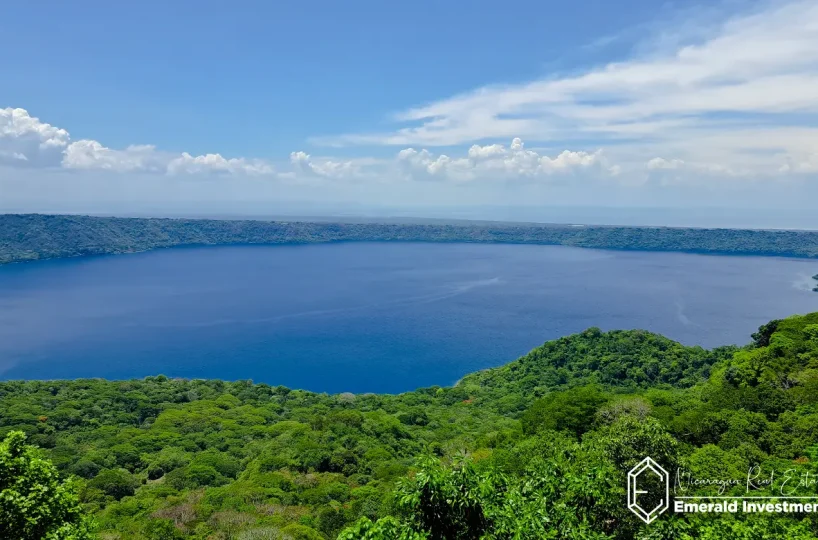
(327, 168)
(88, 154)
(215, 163)
(25, 140)
(422, 164)
(497, 161)
(28, 142)
(488, 151)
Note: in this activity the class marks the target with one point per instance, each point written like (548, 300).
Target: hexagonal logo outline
(647, 465)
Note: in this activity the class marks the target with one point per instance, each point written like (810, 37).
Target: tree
(35, 503)
(116, 483)
(447, 503)
(301, 532)
(572, 410)
(245, 461)
(765, 331)
(161, 529)
(387, 528)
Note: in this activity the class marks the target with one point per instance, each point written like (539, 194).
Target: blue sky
(188, 78)
(256, 106)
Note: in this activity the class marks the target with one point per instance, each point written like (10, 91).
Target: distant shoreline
(32, 237)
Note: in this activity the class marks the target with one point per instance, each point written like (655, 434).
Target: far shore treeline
(28, 237)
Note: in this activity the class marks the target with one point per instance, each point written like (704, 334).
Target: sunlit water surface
(367, 317)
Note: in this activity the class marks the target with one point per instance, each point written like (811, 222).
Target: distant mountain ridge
(28, 237)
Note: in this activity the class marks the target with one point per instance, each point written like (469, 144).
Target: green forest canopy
(26, 237)
(538, 448)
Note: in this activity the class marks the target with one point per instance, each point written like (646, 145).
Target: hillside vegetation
(535, 449)
(33, 236)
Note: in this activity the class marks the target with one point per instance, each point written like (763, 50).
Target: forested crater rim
(30, 237)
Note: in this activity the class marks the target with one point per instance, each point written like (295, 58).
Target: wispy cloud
(740, 94)
(734, 101)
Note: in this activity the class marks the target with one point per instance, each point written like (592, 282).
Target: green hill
(538, 448)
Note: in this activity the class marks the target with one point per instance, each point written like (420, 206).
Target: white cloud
(568, 160)
(488, 151)
(327, 168)
(210, 163)
(422, 164)
(496, 162)
(757, 71)
(25, 140)
(88, 154)
(17, 123)
(661, 163)
(734, 102)
(715, 110)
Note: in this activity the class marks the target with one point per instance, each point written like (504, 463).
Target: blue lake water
(368, 317)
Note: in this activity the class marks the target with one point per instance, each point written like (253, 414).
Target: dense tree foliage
(538, 448)
(34, 236)
(34, 503)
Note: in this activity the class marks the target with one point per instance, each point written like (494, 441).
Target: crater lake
(368, 317)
